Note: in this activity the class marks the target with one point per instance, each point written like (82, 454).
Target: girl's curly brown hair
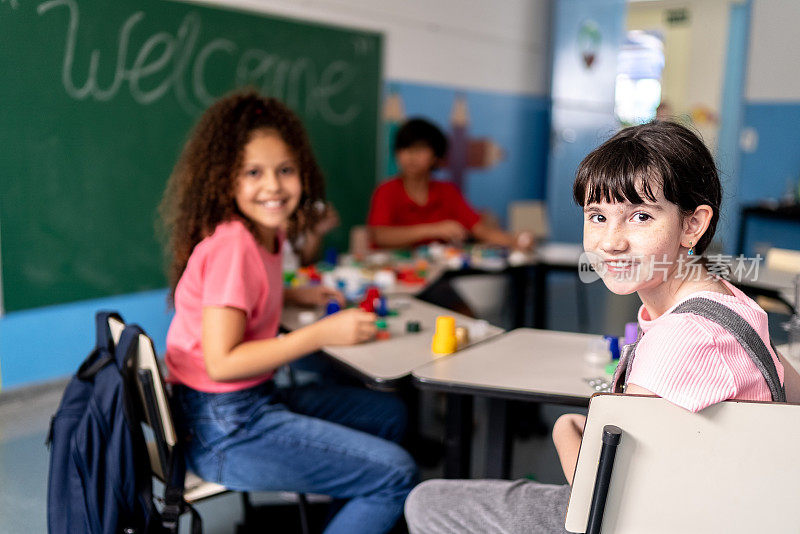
(200, 191)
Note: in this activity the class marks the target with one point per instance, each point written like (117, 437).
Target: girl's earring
(691, 249)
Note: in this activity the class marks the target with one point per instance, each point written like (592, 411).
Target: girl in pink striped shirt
(650, 197)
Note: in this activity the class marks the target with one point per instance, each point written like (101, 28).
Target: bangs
(618, 171)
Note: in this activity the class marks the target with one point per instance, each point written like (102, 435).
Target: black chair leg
(302, 504)
(247, 510)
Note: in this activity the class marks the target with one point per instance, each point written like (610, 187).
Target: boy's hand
(524, 241)
(347, 327)
(313, 295)
(451, 231)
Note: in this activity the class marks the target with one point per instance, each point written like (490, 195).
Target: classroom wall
(770, 159)
(496, 61)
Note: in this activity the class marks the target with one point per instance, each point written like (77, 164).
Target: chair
(157, 416)
(529, 215)
(733, 467)
(785, 260)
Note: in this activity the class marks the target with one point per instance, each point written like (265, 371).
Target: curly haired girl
(246, 178)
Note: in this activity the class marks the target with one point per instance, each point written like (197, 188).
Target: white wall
(773, 70)
(474, 44)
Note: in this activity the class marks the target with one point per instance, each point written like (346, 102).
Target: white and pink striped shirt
(694, 362)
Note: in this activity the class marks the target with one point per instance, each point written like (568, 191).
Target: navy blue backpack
(100, 481)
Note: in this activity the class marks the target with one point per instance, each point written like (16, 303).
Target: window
(638, 85)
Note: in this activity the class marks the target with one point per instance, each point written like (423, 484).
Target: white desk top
(524, 361)
(387, 360)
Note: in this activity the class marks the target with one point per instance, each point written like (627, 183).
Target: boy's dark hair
(640, 159)
(420, 131)
(200, 192)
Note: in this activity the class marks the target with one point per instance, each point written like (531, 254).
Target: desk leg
(458, 441)
(519, 295)
(499, 442)
(540, 297)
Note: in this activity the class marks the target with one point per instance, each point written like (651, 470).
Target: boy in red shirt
(413, 209)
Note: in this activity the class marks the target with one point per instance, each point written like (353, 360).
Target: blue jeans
(325, 439)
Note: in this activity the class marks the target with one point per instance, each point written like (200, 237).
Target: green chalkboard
(96, 100)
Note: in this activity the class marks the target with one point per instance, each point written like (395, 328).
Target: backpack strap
(731, 321)
(103, 352)
(174, 504)
(127, 347)
(103, 337)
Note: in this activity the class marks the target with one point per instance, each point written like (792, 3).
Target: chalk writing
(179, 63)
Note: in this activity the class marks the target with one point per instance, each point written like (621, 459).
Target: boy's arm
(492, 235)
(406, 236)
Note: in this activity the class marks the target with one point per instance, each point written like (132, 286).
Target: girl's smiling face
(268, 187)
(635, 247)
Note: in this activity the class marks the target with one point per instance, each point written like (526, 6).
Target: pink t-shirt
(693, 362)
(227, 268)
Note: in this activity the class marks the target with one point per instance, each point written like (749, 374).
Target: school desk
(385, 362)
(524, 268)
(523, 364)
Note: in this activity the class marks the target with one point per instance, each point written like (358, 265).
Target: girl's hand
(313, 295)
(328, 222)
(346, 327)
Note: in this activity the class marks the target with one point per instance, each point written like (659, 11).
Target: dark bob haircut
(421, 132)
(639, 160)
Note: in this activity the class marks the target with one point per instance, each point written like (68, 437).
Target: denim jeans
(325, 439)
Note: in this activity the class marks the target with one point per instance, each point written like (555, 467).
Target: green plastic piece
(381, 324)
(611, 367)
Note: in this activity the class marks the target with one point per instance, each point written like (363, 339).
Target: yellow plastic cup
(444, 339)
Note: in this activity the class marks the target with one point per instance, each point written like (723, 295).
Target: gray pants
(486, 507)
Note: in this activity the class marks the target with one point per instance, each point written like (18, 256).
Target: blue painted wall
(48, 343)
(765, 172)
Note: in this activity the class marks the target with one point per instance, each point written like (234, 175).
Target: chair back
(732, 467)
(154, 403)
(782, 259)
(529, 215)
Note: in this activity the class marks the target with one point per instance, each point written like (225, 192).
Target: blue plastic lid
(613, 346)
(332, 307)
